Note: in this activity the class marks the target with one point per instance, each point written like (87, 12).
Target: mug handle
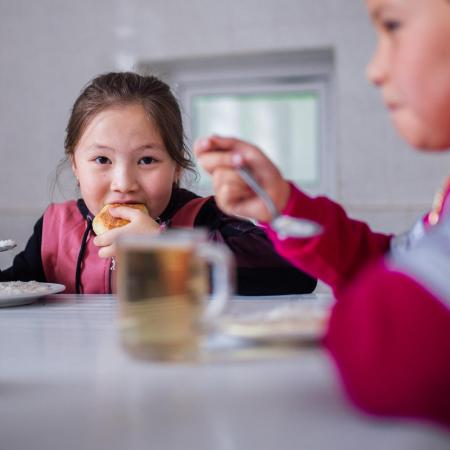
(223, 277)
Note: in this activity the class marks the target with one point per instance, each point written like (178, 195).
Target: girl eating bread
(125, 144)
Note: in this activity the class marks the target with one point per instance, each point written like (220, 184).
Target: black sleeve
(260, 269)
(27, 265)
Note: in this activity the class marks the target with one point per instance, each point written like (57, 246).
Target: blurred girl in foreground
(390, 329)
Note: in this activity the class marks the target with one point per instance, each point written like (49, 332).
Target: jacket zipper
(112, 267)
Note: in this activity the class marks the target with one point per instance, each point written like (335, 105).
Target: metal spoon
(284, 226)
(7, 245)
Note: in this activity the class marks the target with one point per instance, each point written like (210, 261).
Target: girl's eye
(391, 25)
(147, 160)
(102, 160)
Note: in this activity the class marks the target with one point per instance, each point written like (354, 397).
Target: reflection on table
(66, 383)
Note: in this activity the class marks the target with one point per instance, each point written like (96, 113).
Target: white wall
(49, 49)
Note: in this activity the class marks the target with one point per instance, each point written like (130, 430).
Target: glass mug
(163, 286)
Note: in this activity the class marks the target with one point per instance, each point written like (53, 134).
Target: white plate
(23, 294)
(293, 322)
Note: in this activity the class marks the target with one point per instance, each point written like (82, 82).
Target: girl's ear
(177, 177)
(72, 162)
(73, 165)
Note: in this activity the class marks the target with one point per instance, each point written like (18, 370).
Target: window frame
(260, 73)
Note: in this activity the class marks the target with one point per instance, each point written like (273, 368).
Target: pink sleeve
(390, 339)
(340, 251)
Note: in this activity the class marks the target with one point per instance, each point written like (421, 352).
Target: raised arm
(390, 333)
(340, 251)
(334, 256)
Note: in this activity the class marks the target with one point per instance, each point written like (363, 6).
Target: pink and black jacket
(389, 332)
(61, 249)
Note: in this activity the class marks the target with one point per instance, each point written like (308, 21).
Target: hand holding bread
(125, 218)
(104, 221)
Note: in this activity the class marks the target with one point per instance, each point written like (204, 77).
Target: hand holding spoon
(284, 226)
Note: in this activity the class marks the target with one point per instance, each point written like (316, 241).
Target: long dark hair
(125, 88)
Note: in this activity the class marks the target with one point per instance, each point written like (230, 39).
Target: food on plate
(104, 221)
(294, 321)
(7, 244)
(8, 288)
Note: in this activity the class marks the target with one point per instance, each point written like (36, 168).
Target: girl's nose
(376, 69)
(123, 180)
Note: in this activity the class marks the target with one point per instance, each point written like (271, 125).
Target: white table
(66, 384)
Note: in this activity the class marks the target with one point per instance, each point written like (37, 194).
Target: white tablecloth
(65, 383)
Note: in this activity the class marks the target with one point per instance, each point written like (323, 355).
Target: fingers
(215, 151)
(106, 243)
(139, 223)
(218, 143)
(107, 252)
(125, 212)
(107, 238)
(220, 156)
(235, 197)
(229, 189)
(215, 159)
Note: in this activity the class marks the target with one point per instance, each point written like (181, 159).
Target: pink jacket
(64, 232)
(69, 255)
(389, 332)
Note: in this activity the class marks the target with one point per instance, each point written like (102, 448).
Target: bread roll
(104, 221)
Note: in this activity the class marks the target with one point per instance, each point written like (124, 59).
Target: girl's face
(411, 66)
(121, 158)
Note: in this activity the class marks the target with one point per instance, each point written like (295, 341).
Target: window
(280, 102)
(284, 124)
